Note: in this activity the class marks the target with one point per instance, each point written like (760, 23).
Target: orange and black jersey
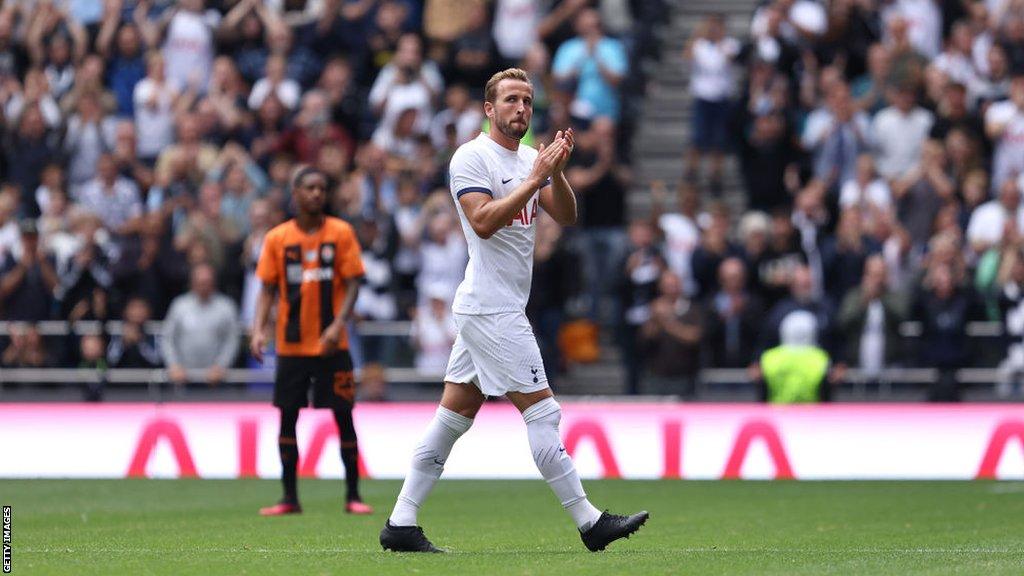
(309, 271)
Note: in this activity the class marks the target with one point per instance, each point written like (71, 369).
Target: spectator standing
(27, 150)
(670, 341)
(714, 248)
(407, 81)
(134, 347)
(90, 133)
(796, 370)
(600, 187)
(898, 133)
(472, 51)
(188, 45)
(802, 298)
(515, 28)
(712, 84)
(1011, 300)
(201, 331)
(733, 318)
(869, 319)
(997, 219)
(27, 281)
(835, 135)
(679, 230)
(844, 254)
(942, 309)
(1004, 125)
(594, 64)
(556, 281)
(638, 288)
(433, 331)
(111, 197)
(122, 45)
(154, 100)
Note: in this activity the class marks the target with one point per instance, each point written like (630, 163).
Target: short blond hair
(491, 90)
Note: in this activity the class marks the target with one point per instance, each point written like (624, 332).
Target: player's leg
(291, 386)
(288, 450)
(335, 388)
(459, 404)
(350, 460)
(542, 415)
(529, 391)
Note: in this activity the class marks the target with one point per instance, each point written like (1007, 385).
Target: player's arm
(558, 199)
(488, 215)
(258, 338)
(331, 335)
(348, 267)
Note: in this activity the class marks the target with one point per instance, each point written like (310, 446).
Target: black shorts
(331, 378)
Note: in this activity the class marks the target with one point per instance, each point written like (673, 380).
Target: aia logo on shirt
(526, 216)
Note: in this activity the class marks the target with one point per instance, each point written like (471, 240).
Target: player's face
(512, 109)
(311, 194)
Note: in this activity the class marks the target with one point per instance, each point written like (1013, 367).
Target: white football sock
(554, 464)
(427, 463)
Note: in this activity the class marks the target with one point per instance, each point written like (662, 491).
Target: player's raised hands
(548, 159)
(568, 139)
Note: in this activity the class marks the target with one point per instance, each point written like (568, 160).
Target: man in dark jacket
(869, 319)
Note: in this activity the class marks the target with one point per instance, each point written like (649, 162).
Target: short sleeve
(267, 269)
(350, 261)
(468, 173)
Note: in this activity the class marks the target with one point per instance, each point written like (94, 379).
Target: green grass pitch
(516, 527)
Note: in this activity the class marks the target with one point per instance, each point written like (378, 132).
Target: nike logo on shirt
(506, 181)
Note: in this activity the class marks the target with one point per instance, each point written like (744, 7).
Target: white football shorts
(498, 353)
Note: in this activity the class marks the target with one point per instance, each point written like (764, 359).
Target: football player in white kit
(499, 185)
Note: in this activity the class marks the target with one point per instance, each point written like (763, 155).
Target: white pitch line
(634, 552)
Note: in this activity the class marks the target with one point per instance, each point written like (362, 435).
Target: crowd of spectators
(880, 145)
(147, 147)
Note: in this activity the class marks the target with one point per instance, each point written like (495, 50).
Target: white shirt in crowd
(1008, 158)
(807, 14)
(85, 143)
(434, 337)
(988, 223)
(114, 206)
(287, 91)
(515, 27)
(957, 67)
(188, 48)
(924, 24)
(876, 193)
(500, 268)
(711, 75)
(395, 96)
(872, 341)
(48, 107)
(154, 126)
(681, 238)
(897, 139)
(467, 126)
(442, 265)
(374, 303)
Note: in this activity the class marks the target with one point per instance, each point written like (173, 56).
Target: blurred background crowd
(857, 163)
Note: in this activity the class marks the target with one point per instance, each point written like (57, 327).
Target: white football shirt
(500, 268)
